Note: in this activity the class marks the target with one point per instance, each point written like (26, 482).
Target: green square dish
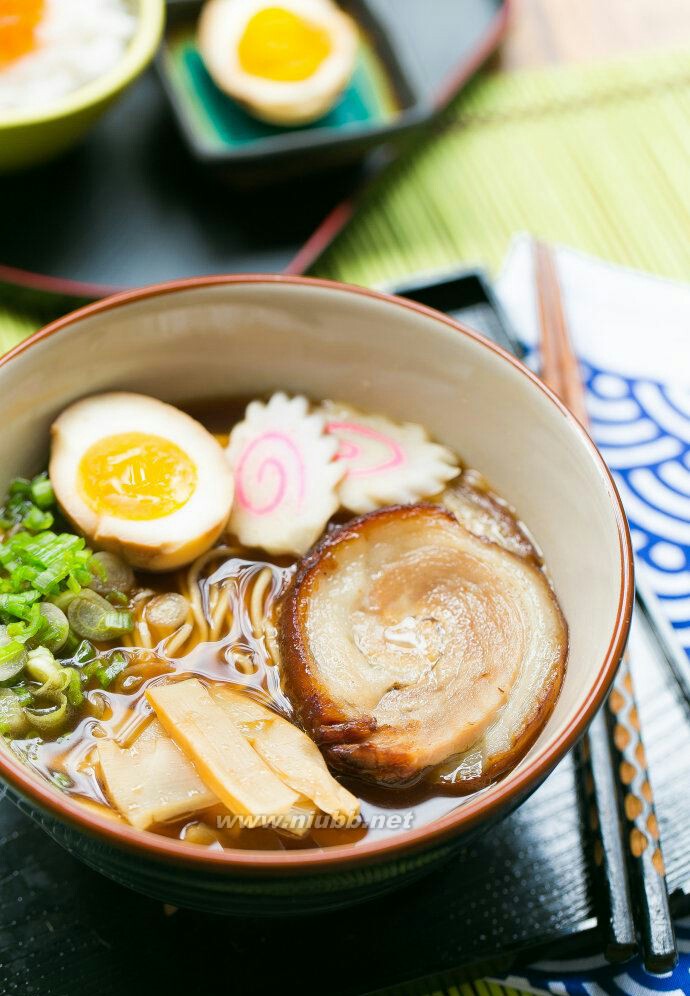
(378, 103)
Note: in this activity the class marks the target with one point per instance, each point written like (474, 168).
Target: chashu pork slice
(402, 635)
(485, 514)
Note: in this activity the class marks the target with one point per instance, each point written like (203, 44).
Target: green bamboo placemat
(23, 310)
(15, 323)
(596, 157)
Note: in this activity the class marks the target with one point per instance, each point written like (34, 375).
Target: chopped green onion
(18, 604)
(106, 671)
(54, 627)
(51, 588)
(26, 503)
(73, 691)
(25, 630)
(13, 657)
(110, 573)
(84, 653)
(19, 486)
(51, 719)
(42, 493)
(117, 663)
(23, 693)
(13, 720)
(118, 621)
(21, 576)
(94, 618)
(9, 648)
(117, 598)
(42, 667)
(63, 599)
(36, 520)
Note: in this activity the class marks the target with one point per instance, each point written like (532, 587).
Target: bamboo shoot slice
(293, 756)
(226, 762)
(152, 781)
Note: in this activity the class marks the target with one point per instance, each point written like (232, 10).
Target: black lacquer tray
(521, 891)
(132, 206)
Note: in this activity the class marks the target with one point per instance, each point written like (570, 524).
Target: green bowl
(28, 137)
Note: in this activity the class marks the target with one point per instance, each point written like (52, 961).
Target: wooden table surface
(544, 32)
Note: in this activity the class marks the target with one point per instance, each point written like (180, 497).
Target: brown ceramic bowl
(215, 336)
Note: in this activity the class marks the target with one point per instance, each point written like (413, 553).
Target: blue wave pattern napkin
(632, 334)
(595, 977)
(643, 430)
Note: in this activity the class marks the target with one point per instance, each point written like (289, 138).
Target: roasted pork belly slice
(484, 514)
(402, 635)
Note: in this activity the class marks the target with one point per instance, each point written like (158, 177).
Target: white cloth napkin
(632, 333)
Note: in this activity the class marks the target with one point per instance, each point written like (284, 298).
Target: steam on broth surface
(301, 677)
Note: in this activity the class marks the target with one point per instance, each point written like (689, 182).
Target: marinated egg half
(285, 63)
(140, 478)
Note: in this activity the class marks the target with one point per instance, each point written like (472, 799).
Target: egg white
(160, 544)
(292, 102)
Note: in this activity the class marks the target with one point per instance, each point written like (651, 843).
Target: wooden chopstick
(595, 756)
(559, 367)
(614, 747)
(662, 630)
(612, 895)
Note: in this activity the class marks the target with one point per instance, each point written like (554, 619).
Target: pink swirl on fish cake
(350, 451)
(266, 465)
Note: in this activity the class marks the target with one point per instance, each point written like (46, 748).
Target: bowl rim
(503, 794)
(141, 48)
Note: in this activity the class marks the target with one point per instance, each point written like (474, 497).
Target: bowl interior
(225, 339)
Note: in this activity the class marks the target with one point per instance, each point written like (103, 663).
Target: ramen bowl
(29, 135)
(217, 337)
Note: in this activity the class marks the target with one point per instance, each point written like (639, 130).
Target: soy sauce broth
(242, 658)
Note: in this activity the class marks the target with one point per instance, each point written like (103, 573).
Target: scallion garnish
(93, 617)
(47, 605)
(105, 670)
(42, 493)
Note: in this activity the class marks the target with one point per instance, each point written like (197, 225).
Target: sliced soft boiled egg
(140, 478)
(286, 62)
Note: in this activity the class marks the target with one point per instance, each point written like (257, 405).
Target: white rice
(78, 41)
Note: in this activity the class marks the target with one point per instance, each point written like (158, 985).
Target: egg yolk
(279, 45)
(18, 22)
(135, 475)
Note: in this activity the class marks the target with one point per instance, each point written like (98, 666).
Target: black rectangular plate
(467, 296)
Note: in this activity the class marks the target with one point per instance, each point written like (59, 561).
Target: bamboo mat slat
(596, 157)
